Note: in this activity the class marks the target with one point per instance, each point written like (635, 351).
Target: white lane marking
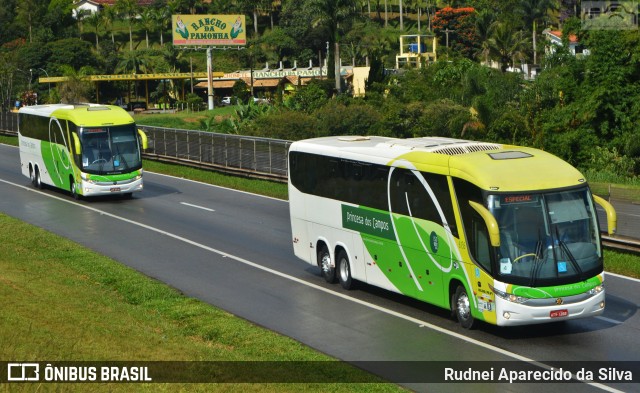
(621, 276)
(608, 320)
(197, 207)
(387, 311)
(216, 186)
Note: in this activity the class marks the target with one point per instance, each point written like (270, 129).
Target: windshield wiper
(566, 250)
(120, 156)
(535, 269)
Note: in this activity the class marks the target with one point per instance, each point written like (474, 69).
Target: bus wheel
(324, 261)
(344, 270)
(37, 182)
(461, 306)
(74, 190)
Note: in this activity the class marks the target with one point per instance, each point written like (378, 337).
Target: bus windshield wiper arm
(565, 248)
(120, 156)
(535, 269)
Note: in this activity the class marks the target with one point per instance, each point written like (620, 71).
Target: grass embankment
(262, 187)
(185, 120)
(64, 302)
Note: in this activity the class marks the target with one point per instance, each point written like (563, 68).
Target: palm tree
(110, 14)
(133, 62)
(162, 17)
(484, 21)
(27, 13)
(417, 5)
(96, 20)
(533, 12)
(128, 9)
(80, 16)
(507, 44)
(331, 14)
(75, 88)
(148, 22)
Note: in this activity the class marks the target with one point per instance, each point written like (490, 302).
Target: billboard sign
(208, 30)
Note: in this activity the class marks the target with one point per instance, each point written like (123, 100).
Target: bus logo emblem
(559, 301)
(434, 242)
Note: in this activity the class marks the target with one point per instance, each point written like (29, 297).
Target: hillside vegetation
(583, 108)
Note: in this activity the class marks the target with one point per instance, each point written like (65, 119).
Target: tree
(71, 52)
(333, 15)
(81, 15)
(277, 42)
(110, 14)
(7, 17)
(75, 88)
(96, 20)
(456, 26)
(161, 18)
(484, 21)
(506, 44)
(7, 73)
(28, 13)
(147, 21)
(129, 9)
(534, 12)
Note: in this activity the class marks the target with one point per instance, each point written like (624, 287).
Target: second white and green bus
(503, 234)
(86, 149)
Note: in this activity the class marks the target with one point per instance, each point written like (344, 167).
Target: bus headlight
(87, 178)
(596, 290)
(509, 296)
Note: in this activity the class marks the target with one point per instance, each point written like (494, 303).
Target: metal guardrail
(249, 156)
(621, 244)
(241, 155)
(8, 123)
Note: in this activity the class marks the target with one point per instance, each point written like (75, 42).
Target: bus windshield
(110, 150)
(546, 238)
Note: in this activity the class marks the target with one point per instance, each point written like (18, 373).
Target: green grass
(63, 302)
(263, 187)
(186, 120)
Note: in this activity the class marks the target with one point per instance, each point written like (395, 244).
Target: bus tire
(74, 190)
(37, 181)
(324, 261)
(461, 307)
(344, 270)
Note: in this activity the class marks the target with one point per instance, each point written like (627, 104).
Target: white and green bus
(503, 234)
(86, 149)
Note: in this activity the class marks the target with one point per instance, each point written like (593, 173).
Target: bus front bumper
(514, 314)
(124, 187)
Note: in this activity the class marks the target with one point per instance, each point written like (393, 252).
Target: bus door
(425, 249)
(59, 151)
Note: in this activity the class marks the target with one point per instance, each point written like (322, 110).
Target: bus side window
(474, 226)
(440, 187)
(397, 190)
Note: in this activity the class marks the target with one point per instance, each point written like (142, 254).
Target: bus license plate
(558, 313)
(115, 189)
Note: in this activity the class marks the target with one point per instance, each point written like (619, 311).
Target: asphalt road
(233, 250)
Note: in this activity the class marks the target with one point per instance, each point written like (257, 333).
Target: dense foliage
(583, 108)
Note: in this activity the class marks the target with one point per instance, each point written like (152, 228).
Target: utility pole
(447, 31)
(210, 77)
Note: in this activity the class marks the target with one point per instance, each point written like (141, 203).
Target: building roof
(557, 34)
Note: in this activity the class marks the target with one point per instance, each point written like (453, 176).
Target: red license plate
(558, 313)
(115, 189)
